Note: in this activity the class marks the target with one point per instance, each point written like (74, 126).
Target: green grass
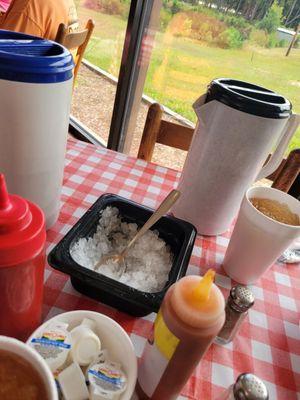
(181, 68)
(105, 47)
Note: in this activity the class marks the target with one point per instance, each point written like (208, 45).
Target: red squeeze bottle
(22, 263)
(190, 317)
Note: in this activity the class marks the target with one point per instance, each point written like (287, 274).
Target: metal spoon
(162, 210)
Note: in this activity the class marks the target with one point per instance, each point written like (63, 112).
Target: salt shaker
(247, 387)
(238, 303)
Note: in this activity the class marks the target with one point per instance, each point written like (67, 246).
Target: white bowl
(113, 338)
(38, 363)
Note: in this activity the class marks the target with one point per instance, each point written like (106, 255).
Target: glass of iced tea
(23, 373)
(267, 224)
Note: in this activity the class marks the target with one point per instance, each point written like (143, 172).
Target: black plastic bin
(178, 234)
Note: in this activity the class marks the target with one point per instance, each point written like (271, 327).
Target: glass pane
(95, 90)
(200, 41)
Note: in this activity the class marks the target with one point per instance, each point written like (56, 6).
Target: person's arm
(18, 22)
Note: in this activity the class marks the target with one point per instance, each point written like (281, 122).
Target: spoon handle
(162, 210)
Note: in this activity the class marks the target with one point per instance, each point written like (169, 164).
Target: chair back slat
(287, 174)
(75, 40)
(157, 130)
(150, 132)
(175, 135)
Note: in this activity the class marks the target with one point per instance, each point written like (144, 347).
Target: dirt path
(93, 101)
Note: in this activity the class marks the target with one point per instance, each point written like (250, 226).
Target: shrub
(205, 33)
(272, 20)
(237, 22)
(240, 24)
(92, 4)
(231, 38)
(175, 7)
(205, 27)
(283, 43)
(201, 9)
(259, 37)
(272, 41)
(192, 2)
(164, 18)
(181, 25)
(111, 7)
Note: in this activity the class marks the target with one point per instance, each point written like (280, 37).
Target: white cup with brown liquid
(267, 224)
(24, 375)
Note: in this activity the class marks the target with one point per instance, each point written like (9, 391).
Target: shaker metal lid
(250, 387)
(249, 98)
(242, 297)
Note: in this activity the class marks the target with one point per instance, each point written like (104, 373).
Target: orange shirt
(38, 17)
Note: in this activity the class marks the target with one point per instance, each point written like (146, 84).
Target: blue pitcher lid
(26, 58)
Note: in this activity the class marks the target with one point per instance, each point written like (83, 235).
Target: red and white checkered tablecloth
(269, 341)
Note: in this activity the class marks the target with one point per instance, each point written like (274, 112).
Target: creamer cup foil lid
(53, 345)
(107, 377)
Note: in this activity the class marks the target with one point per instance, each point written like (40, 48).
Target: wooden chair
(75, 40)
(157, 130)
(287, 172)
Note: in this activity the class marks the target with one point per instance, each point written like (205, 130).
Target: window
(96, 84)
(195, 42)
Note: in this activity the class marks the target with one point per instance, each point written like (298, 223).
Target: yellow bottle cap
(200, 294)
(197, 301)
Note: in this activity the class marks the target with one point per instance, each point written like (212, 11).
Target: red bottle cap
(22, 228)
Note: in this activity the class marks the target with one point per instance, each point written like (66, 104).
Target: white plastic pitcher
(36, 86)
(238, 125)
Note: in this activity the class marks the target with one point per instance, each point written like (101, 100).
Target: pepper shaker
(247, 387)
(238, 303)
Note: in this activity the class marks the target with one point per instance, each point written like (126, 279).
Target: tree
(193, 2)
(273, 12)
(292, 13)
(175, 7)
(272, 20)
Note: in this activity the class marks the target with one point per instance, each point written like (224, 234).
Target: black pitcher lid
(249, 98)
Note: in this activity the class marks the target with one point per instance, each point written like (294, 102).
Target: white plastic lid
(89, 323)
(86, 345)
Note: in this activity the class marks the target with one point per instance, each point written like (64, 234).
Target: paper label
(49, 342)
(158, 351)
(164, 339)
(52, 344)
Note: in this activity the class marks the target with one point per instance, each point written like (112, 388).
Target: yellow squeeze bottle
(190, 317)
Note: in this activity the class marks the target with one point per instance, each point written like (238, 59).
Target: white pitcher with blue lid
(238, 126)
(36, 79)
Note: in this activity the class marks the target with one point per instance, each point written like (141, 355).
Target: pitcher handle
(275, 159)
